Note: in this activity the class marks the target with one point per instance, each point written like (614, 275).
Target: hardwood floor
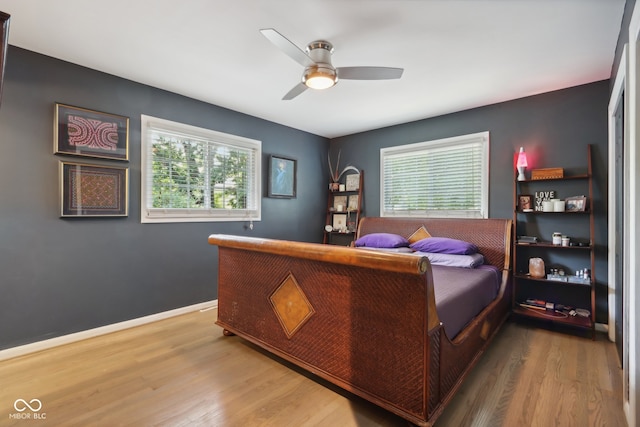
(184, 372)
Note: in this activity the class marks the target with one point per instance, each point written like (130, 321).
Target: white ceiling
(457, 54)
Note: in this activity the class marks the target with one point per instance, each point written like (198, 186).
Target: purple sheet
(462, 293)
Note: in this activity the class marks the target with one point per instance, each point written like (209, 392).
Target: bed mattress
(462, 293)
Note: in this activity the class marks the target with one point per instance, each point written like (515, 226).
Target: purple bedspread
(462, 293)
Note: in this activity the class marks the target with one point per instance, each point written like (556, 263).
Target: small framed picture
(340, 203)
(525, 203)
(352, 182)
(282, 177)
(353, 202)
(575, 204)
(339, 222)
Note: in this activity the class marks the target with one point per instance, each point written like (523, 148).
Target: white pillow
(453, 260)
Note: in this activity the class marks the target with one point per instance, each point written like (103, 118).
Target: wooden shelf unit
(577, 295)
(351, 213)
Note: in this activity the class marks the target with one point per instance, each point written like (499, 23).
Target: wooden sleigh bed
(365, 320)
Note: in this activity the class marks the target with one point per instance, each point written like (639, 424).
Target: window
(190, 174)
(443, 178)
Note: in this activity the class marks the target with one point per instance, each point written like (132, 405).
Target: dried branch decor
(335, 175)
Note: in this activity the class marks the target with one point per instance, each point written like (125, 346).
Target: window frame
(176, 215)
(456, 141)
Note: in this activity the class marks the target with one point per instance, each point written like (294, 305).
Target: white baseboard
(602, 327)
(91, 333)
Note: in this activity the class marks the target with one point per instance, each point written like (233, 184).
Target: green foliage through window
(446, 178)
(190, 174)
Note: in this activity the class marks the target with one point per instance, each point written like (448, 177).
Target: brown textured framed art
(4, 44)
(83, 132)
(92, 190)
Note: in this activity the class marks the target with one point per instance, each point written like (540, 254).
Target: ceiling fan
(318, 71)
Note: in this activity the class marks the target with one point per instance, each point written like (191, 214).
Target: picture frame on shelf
(282, 181)
(339, 222)
(575, 204)
(83, 132)
(339, 201)
(353, 202)
(352, 182)
(88, 190)
(525, 203)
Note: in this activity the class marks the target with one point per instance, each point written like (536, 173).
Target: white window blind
(442, 178)
(193, 174)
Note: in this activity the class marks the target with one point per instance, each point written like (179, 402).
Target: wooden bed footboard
(363, 320)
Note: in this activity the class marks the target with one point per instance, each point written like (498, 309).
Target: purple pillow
(382, 240)
(444, 245)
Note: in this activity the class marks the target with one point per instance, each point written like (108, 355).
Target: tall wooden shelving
(581, 254)
(341, 225)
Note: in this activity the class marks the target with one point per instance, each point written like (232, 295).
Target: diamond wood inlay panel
(291, 305)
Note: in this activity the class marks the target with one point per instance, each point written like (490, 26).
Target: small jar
(557, 238)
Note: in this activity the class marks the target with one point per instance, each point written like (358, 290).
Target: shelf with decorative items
(344, 209)
(554, 275)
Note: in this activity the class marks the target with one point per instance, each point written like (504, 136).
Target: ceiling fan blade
(283, 43)
(297, 90)
(369, 73)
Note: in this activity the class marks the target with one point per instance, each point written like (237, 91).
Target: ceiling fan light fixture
(319, 73)
(319, 77)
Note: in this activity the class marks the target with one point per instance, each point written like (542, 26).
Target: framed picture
(4, 45)
(91, 190)
(352, 182)
(282, 177)
(575, 204)
(340, 201)
(525, 203)
(353, 202)
(83, 132)
(339, 222)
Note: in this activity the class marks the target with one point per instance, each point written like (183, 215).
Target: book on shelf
(551, 307)
(527, 239)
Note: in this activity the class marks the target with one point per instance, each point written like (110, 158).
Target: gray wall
(554, 128)
(59, 276)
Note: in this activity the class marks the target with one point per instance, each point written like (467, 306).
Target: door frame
(620, 93)
(632, 210)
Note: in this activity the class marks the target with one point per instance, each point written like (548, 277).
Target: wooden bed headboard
(492, 236)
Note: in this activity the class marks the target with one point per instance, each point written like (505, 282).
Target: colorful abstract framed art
(92, 190)
(83, 132)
